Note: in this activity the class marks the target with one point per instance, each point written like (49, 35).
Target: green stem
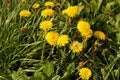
(52, 51)
(66, 25)
(43, 50)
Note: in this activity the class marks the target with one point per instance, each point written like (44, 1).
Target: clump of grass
(85, 35)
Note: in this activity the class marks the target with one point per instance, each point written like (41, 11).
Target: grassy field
(59, 39)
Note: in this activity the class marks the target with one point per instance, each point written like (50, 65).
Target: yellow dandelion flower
(76, 46)
(25, 13)
(83, 26)
(71, 11)
(49, 3)
(62, 40)
(47, 12)
(85, 73)
(23, 1)
(52, 37)
(99, 35)
(35, 5)
(45, 25)
(87, 34)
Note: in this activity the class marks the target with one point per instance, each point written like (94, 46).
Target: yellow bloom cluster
(99, 35)
(85, 73)
(49, 3)
(47, 12)
(45, 25)
(62, 40)
(25, 13)
(35, 5)
(76, 46)
(52, 37)
(84, 28)
(71, 11)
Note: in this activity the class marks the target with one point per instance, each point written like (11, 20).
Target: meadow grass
(25, 54)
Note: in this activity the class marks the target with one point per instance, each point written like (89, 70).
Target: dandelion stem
(43, 50)
(52, 51)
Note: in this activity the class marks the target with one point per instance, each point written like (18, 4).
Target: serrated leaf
(48, 69)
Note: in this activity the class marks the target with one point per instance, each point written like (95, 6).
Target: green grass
(25, 55)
